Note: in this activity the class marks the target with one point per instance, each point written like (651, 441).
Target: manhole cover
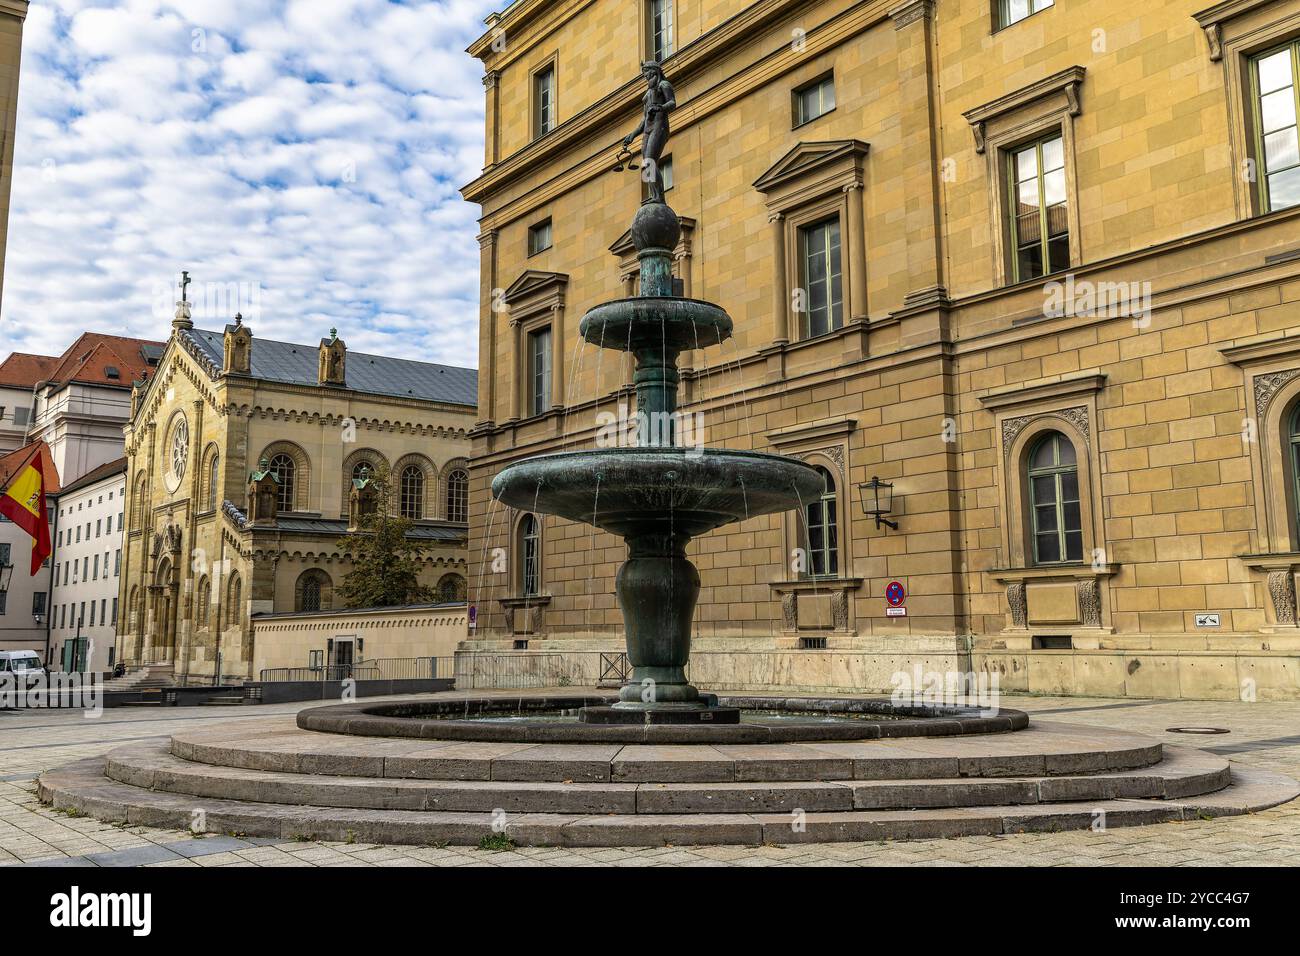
(1197, 730)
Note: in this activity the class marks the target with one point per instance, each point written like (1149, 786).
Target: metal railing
(324, 673)
(379, 668)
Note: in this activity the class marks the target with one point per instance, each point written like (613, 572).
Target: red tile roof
(88, 359)
(23, 369)
(16, 459)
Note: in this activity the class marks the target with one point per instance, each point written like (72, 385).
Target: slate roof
(376, 374)
(339, 527)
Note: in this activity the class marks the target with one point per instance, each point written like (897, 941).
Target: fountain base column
(657, 588)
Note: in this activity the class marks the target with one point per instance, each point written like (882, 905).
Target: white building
(23, 597)
(87, 569)
(77, 403)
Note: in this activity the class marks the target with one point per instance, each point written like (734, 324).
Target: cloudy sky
(301, 158)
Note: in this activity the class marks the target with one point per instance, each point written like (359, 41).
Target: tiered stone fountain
(657, 496)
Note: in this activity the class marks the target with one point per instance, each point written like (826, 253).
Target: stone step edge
(827, 766)
(82, 788)
(1185, 772)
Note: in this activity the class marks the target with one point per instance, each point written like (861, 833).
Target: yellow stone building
(1036, 265)
(248, 460)
(12, 15)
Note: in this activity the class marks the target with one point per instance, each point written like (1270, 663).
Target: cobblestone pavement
(1265, 735)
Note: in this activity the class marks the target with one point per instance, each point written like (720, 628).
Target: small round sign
(895, 593)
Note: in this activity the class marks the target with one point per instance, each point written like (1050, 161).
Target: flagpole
(49, 605)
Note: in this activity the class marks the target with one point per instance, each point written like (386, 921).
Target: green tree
(385, 562)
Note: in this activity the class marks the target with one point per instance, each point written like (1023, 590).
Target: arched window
(234, 595)
(412, 492)
(530, 551)
(283, 467)
(1293, 436)
(313, 592)
(140, 507)
(451, 587)
(823, 533)
(212, 481)
(1057, 523)
(202, 602)
(363, 469)
(458, 496)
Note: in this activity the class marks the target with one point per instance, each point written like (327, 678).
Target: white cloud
(310, 150)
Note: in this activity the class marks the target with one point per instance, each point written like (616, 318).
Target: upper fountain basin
(650, 322)
(686, 491)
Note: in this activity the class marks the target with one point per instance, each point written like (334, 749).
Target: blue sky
(301, 158)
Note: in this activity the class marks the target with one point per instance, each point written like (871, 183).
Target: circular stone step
(83, 787)
(1183, 772)
(1043, 750)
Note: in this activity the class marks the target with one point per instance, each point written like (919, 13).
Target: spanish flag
(24, 477)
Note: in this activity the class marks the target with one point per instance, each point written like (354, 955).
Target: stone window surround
(210, 451)
(1235, 31)
(1271, 372)
(302, 476)
(810, 182)
(1028, 114)
(551, 62)
(824, 443)
(535, 301)
(525, 614)
(1021, 416)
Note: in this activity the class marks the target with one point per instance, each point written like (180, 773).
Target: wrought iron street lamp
(877, 501)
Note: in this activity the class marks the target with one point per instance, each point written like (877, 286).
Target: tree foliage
(385, 562)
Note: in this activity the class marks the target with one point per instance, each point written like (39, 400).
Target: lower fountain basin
(554, 718)
(686, 491)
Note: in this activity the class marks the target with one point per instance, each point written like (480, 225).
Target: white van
(24, 664)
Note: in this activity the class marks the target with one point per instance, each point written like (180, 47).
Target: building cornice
(696, 58)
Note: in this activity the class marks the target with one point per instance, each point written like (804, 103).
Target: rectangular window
(4, 555)
(819, 253)
(543, 101)
(1013, 11)
(1040, 231)
(78, 534)
(659, 21)
(81, 614)
(95, 576)
(56, 575)
(539, 237)
(117, 563)
(85, 568)
(1277, 103)
(92, 613)
(103, 611)
(38, 602)
(539, 371)
(99, 527)
(63, 616)
(114, 609)
(4, 601)
(814, 99)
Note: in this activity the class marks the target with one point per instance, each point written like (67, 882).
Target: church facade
(1028, 271)
(243, 461)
